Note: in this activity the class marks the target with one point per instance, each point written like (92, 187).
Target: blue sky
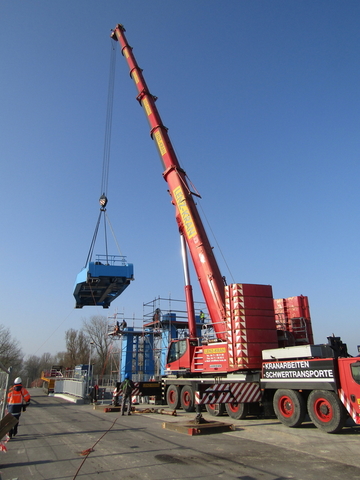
(262, 102)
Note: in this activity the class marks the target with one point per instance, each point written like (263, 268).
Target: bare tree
(33, 366)
(10, 351)
(77, 348)
(97, 330)
(47, 360)
(60, 359)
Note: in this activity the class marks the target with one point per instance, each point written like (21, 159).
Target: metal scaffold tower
(142, 352)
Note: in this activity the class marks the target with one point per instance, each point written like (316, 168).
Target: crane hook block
(100, 282)
(103, 201)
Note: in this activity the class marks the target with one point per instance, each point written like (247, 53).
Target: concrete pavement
(55, 436)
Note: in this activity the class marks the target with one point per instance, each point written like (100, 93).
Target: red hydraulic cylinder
(187, 215)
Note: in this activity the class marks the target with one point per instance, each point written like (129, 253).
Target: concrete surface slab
(63, 441)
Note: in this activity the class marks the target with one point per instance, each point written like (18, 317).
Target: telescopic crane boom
(187, 216)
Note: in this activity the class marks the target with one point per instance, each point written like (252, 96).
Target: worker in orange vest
(18, 399)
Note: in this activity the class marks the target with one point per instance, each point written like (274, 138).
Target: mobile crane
(253, 362)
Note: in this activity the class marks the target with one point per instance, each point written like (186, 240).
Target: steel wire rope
(217, 243)
(205, 217)
(113, 234)
(106, 155)
(87, 452)
(107, 139)
(54, 331)
(93, 241)
(108, 122)
(106, 243)
(91, 250)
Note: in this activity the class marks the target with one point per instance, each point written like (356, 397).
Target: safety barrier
(4, 384)
(71, 387)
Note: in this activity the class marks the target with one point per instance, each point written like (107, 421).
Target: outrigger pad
(99, 284)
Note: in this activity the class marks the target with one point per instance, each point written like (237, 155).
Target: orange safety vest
(17, 398)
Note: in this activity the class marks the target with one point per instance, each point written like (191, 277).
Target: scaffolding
(142, 351)
(166, 319)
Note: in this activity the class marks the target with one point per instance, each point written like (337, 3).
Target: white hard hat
(17, 381)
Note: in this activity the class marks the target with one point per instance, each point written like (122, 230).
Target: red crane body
(187, 215)
(245, 365)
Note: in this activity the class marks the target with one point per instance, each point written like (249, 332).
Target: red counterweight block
(250, 320)
(293, 315)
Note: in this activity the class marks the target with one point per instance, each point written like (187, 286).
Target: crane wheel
(237, 410)
(290, 408)
(187, 398)
(173, 397)
(326, 411)
(215, 409)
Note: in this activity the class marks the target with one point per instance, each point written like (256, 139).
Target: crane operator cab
(180, 353)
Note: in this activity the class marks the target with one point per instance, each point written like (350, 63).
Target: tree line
(91, 341)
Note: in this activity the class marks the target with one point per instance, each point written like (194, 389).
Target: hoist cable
(106, 243)
(113, 234)
(92, 245)
(108, 122)
(213, 234)
(106, 153)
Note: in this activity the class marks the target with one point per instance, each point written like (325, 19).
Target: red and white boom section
(187, 215)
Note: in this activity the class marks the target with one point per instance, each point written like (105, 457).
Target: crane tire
(326, 411)
(215, 409)
(237, 411)
(289, 407)
(173, 397)
(187, 398)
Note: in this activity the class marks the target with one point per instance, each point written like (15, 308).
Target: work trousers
(124, 399)
(14, 430)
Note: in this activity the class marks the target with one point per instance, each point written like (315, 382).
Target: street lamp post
(89, 368)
